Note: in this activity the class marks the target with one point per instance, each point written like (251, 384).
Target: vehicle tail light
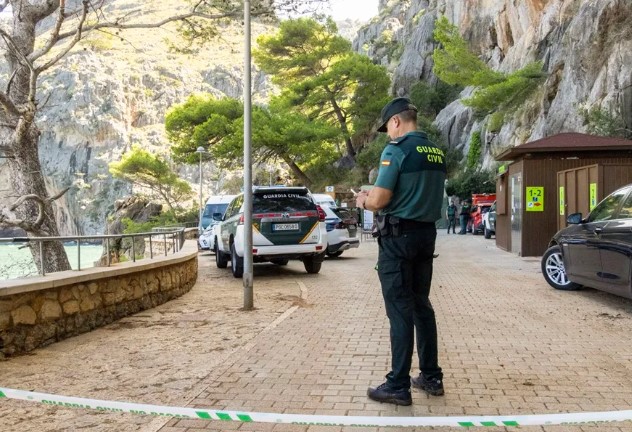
(254, 251)
(241, 219)
(319, 248)
(321, 213)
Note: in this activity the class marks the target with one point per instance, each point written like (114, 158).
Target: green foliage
(322, 77)
(474, 154)
(430, 99)
(471, 182)
(602, 122)
(496, 121)
(278, 132)
(144, 169)
(453, 61)
(369, 158)
(164, 219)
(509, 93)
(202, 121)
(455, 64)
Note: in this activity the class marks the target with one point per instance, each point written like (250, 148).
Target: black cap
(395, 106)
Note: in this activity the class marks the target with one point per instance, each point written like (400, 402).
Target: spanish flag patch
(386, 162)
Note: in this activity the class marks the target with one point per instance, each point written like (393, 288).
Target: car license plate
(352, 227)
(285, 227)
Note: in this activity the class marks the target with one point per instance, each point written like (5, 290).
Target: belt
(411, 225)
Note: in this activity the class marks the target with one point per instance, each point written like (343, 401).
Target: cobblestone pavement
(509, 345)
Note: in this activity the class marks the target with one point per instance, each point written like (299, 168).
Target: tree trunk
(345, 129)
(297, 171)
(21, 141)
(27, 178)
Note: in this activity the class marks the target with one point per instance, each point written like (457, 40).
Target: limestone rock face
(109, 93)
(586, 48)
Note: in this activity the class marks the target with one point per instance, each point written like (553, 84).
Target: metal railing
(173, 237)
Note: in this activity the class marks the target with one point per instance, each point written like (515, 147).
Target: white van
(212, 215)
(324, 199)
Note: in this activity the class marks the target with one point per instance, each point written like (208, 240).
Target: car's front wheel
(487, 233)
(236, 262)
(554, 271)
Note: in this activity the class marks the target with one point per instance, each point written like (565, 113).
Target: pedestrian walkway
(509, 344)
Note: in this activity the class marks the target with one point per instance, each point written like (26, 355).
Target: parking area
(509, 345)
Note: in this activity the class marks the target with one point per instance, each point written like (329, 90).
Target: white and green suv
(286, 224)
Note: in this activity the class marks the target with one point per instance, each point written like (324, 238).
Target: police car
(286, 224)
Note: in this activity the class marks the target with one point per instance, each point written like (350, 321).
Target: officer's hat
(395, 106)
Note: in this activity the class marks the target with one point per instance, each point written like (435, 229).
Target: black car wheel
(487, 233)
(221, 260)
(554, 271)
(236, 262)
(312, 266)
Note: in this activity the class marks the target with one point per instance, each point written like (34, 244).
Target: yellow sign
(562, 203)
(593, 195)
(535, 199)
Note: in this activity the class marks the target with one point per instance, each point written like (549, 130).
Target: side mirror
(574, 219)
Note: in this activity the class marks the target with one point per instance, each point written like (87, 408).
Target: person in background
(464, 215)
(408, 194)
(450, 214)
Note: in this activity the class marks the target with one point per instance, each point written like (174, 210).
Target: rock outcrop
(586, 48)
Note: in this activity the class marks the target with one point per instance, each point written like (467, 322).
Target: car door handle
(598, 230)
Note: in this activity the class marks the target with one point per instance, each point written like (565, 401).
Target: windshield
(282, 202)
(211, 209)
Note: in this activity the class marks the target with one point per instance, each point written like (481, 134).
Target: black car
(596, 251)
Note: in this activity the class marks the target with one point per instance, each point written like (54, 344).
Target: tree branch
(119, 25)
(8, 105)
(50, 43)
(6, 221)
(71, 44)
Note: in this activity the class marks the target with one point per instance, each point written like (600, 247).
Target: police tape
(315, 420)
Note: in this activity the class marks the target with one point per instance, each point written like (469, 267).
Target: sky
(354, 9)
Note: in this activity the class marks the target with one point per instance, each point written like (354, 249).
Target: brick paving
(509, 344)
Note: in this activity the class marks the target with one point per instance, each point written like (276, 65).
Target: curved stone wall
(38, 311)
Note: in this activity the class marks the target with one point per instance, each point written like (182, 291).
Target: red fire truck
(480, 205)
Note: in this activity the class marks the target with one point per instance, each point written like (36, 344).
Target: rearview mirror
(217, 216)
(574, 219)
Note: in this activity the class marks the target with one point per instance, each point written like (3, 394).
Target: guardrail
(167, 235)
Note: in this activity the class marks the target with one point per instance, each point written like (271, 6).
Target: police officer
(408, 195)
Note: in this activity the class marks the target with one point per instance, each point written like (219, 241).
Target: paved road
(509, 345)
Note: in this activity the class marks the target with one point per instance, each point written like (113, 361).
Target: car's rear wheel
(221, 260)
(280, 261)
(236, 262)
(554, 271)
(312, 266)
(334, 254)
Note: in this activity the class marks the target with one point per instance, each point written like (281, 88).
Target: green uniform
(414, 169)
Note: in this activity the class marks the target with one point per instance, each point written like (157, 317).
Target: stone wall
(38, 311)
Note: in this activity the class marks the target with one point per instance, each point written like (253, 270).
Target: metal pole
(200, 224)
(78, 254)
(41, 248)
(151, 252)
(133, 249)
(248, 274)
(107, 251)
(165, 244)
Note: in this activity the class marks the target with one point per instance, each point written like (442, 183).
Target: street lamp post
(200, 150)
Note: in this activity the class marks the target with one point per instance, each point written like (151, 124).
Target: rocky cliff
(586, 48)
(113, 91)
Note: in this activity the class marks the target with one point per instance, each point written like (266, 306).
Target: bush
(474, 154)
(471, 182)
(430, 100)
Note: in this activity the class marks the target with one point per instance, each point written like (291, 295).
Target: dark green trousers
(405, 271)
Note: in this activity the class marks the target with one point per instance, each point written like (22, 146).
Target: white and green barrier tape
(320, 420)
